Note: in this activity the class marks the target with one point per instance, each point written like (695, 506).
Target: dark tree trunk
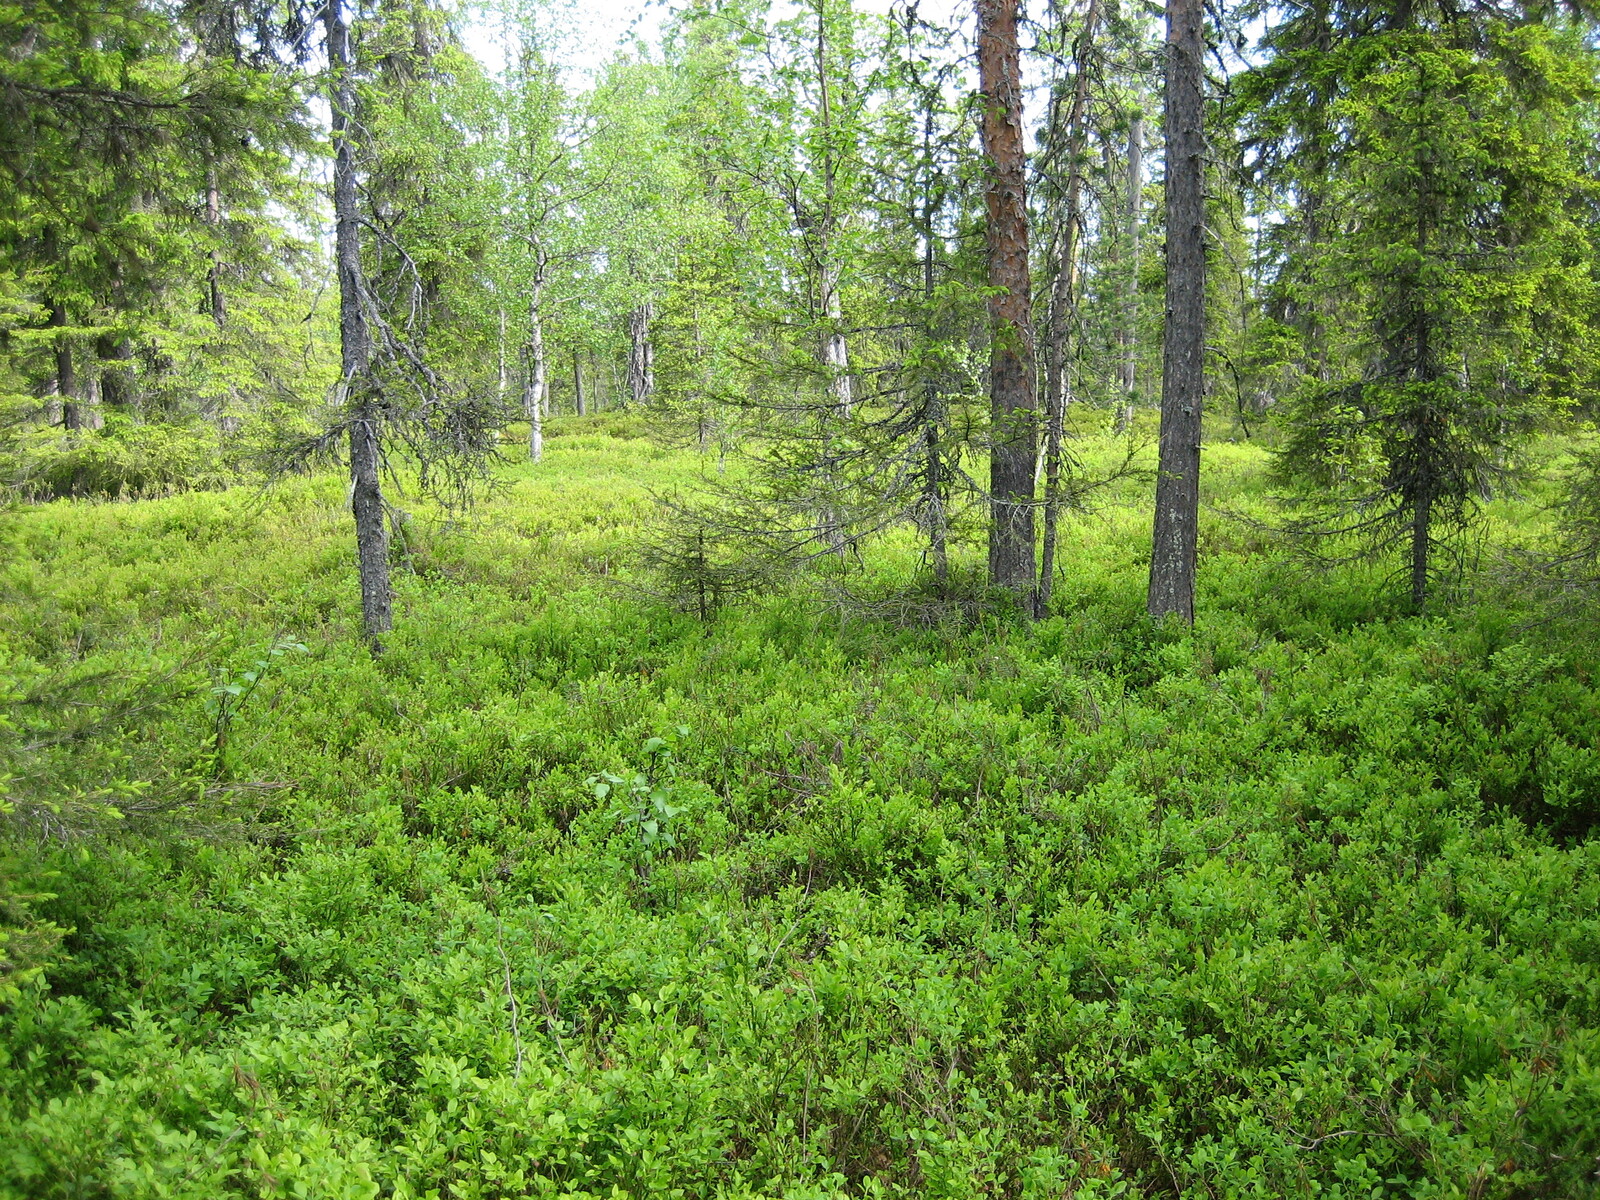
(216, 299)
(117, 382)
(73, 415)
(1177, 515)
(577, 382)
(641, 355)
(933, 407)
(1064, 302)
(355, 340)
(1411, 353)
(1420, 545)
(924, 210)
(1012, 403)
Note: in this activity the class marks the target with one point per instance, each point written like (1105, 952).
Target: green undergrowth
(1303, 903)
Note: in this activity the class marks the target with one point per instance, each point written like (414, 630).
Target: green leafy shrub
(26, 942)
(1300, 903)
(123, 459)
(642, 803)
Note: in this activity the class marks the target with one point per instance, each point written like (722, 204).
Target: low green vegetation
(570, 893)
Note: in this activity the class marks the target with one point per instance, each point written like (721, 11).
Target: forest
(799, 599)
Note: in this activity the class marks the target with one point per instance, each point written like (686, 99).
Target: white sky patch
(586, 34)
(582, 37)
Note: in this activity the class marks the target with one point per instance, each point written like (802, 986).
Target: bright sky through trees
(595, 29)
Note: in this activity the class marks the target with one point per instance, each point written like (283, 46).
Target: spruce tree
(1458, 274)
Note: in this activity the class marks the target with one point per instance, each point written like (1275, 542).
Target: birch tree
(540, 169)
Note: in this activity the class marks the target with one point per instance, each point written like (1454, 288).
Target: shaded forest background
(799, 240)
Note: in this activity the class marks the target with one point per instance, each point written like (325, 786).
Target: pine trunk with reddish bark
(1012, 401)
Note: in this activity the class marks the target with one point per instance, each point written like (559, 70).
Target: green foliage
(123, 459)
(701, 556)
(26, 942)
(643, 801)
(1300, 901)
(231, 693)
(931, 903)
(142, 147)
(1461, 277)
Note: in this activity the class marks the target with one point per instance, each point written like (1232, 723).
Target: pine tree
(1177, 502)
(1013, 404)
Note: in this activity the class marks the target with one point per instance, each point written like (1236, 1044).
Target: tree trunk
(933, 510)
(1064, 303)
(92, 416)
(216, 299)
(1128, 334)
(117, 382)
(1421, 513)
(74, 413)
(504, 376)
(1013, 407)
(577, 383)
(355, 342)
(66, 372)
(533, 387)
(835, 352)
(641, 355)
(1177, 515)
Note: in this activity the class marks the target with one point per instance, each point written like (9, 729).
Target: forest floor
(1304, 902)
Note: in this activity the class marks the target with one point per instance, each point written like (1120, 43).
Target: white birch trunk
(533, 392)
(835, 352)
(500, 348)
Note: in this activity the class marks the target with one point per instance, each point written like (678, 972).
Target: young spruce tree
(1462, 275)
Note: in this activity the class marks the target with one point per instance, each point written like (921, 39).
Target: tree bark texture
(1012, 402)
(933, 485)
(72, 408)
(1064, 302)
(1410, 354)
(355, 341)
(216, 298)
(1421, 543)
(117, 380)
(533, 380)
(577, 383)
(641, 355)
(1128, 333)
(835, 350)
(1177, 509)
